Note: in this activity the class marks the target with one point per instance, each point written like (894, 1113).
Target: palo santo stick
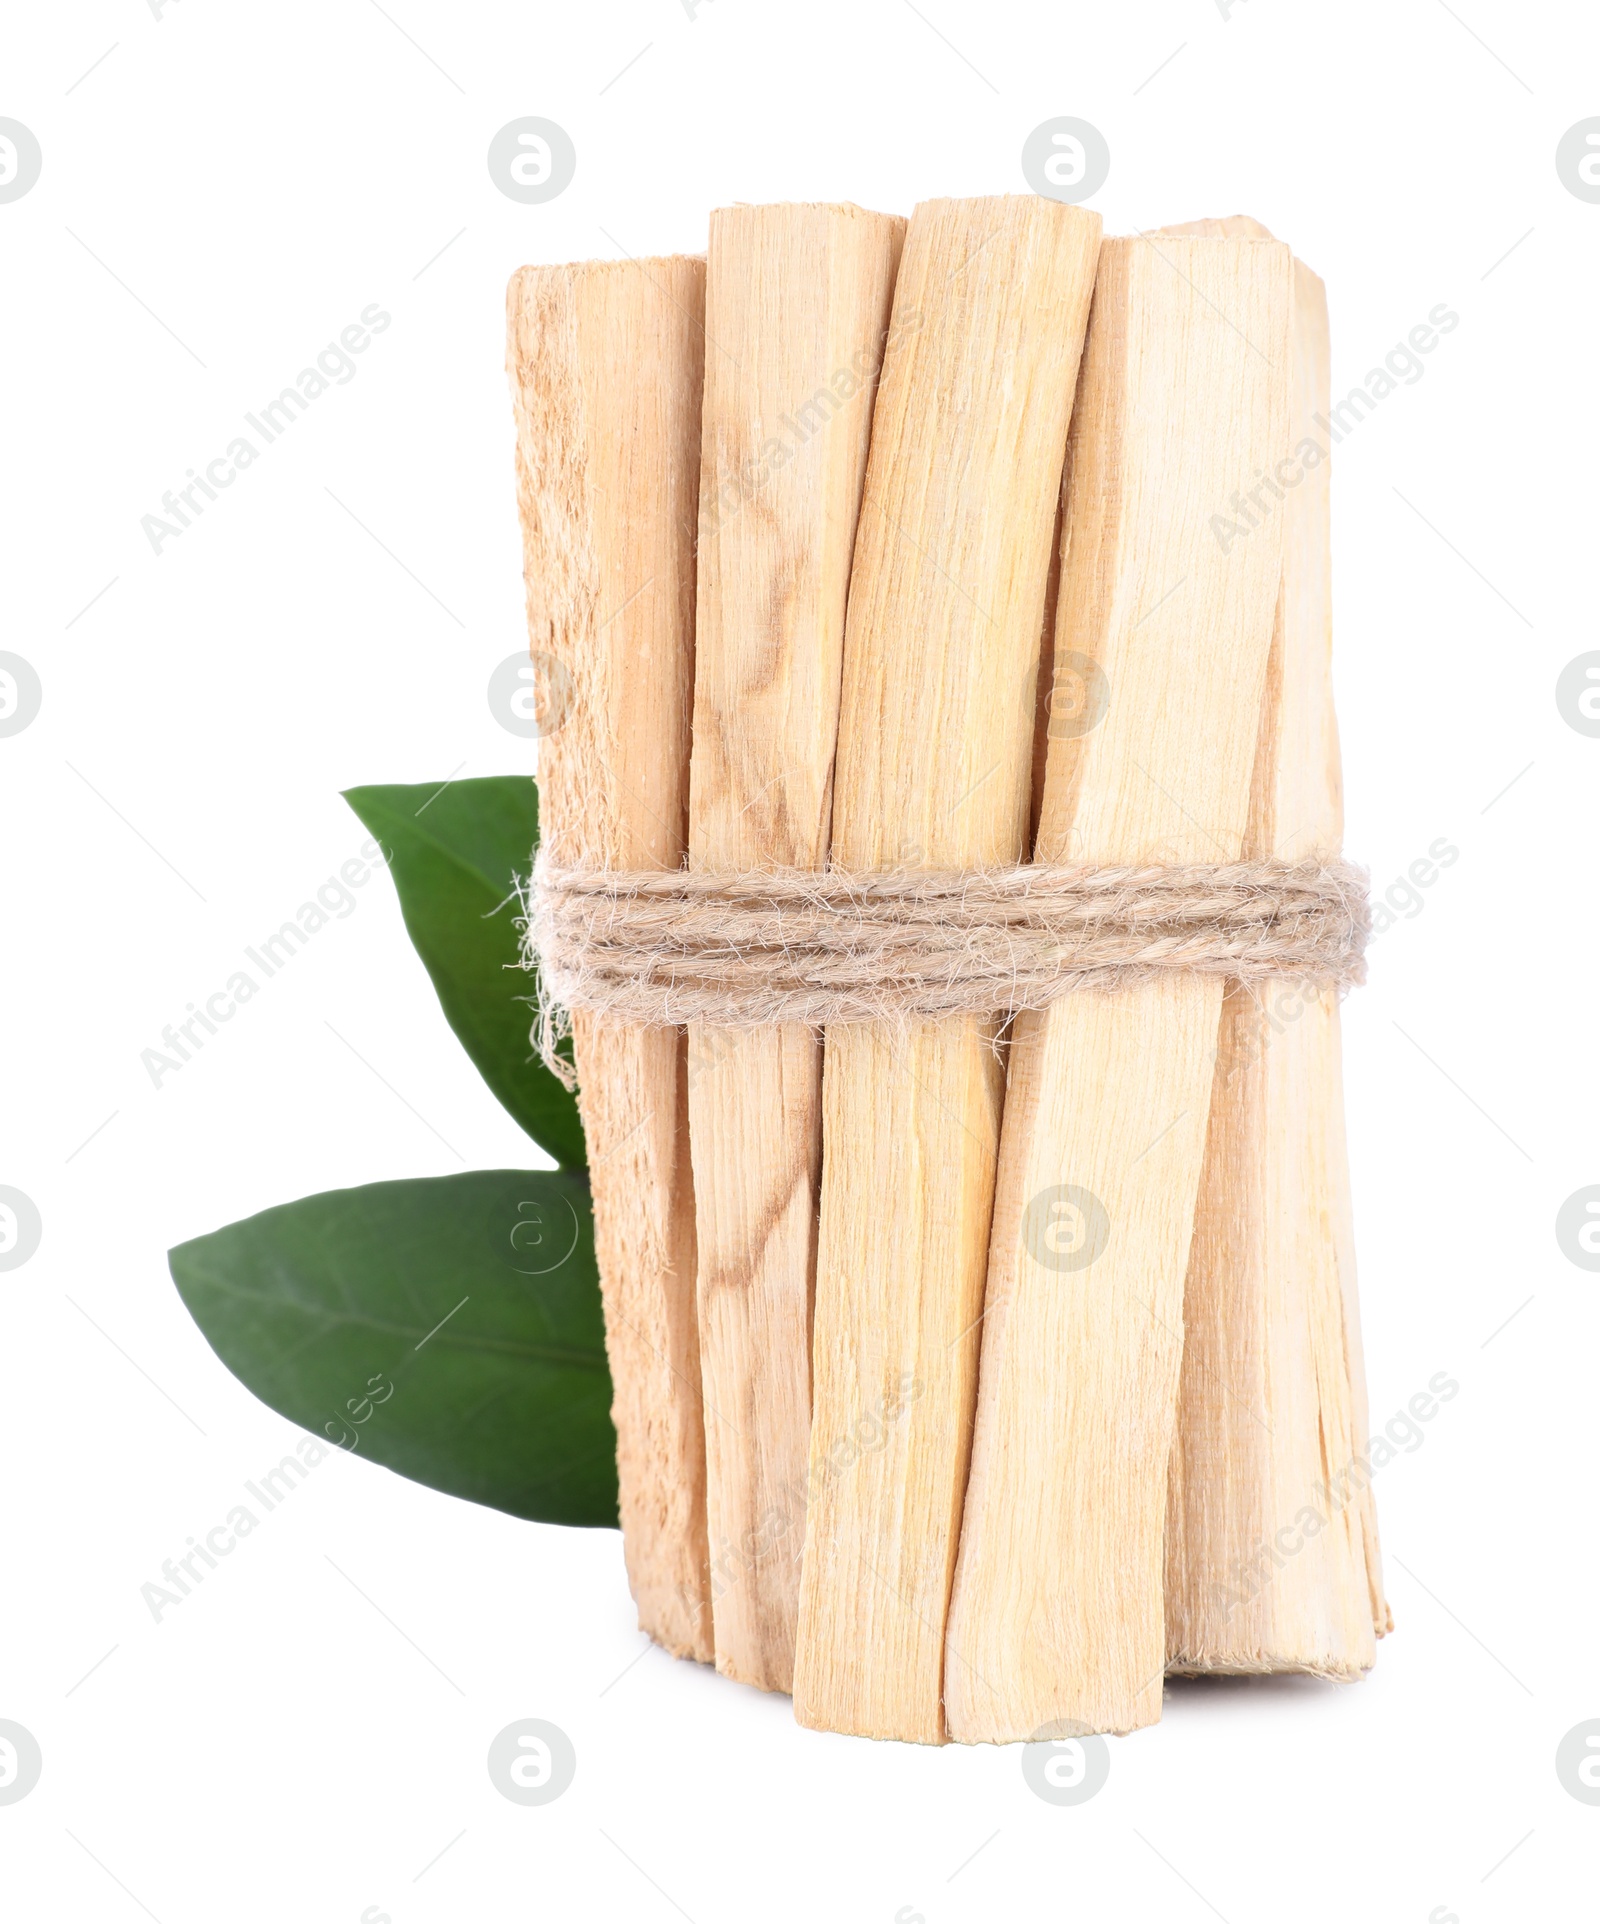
(1057, 1611)
(935, 740)
(797, 302)
(605, 361)
(1272, 1550)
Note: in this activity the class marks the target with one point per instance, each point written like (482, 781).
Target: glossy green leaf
(448, 1328)
(453, 852)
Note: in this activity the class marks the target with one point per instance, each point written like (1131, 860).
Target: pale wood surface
(797, 305)
(935, 741)
(1272, 1553)
(605, 362)
(1057, 1614)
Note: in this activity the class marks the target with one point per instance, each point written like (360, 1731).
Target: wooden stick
(1272, 1550)
(1057, 1611)
(605, 361)
(935, 739)
(797, 303)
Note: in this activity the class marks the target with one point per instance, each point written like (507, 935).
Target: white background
(256, 175)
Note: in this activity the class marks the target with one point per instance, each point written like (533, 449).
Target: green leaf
(453, 852)
(448, 1328)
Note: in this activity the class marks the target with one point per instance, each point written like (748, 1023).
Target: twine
(661, 948)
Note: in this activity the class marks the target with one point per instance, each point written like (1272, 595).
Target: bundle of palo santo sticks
(970, 1377)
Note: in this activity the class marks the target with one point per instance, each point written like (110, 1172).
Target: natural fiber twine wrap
(740, 951)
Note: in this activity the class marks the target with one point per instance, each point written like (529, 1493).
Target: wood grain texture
(797, 306)
(1272, 1550)
(605, 362)
(1057, 1614)
(935, 743)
